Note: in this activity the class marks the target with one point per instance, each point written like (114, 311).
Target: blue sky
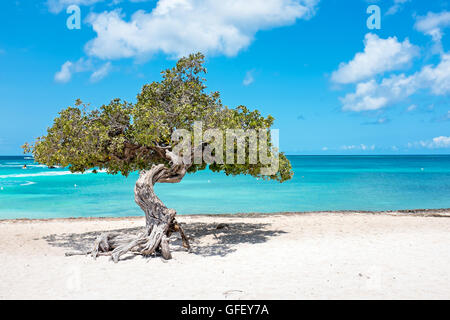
(333, 85)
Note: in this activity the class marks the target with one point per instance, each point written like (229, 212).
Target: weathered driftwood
(160, 220)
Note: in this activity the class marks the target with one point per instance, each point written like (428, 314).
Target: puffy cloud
(380, 55)
(372, 95)
(65, 74)
(82, 65)
(433, 23)
(441, 142)
(179, 27)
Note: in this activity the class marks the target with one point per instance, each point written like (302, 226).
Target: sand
(280, 256)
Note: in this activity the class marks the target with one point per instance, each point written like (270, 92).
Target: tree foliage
(123, 137)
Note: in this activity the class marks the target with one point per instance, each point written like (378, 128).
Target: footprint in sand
(233, 294)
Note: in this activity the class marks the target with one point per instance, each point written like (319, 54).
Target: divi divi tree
(123, 137)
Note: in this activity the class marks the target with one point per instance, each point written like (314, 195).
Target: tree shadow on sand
(225, 239)
(207, 239)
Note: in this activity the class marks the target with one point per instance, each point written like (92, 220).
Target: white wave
(44, 174)
(41, 174)
(21, 165)
(28, 183)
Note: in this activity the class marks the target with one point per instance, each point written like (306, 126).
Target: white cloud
(441, 142)
(69, 68)
(249, 78)
(65, 74)
(433, 23)
(179, 27)
(396, 7)
(82, 65)
(102, 72)
(56, 6)
(361, 147)
(380, 55)
(372, 95)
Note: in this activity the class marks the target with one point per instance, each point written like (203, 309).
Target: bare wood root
(176, 227)
(165, 250)
(150, 241)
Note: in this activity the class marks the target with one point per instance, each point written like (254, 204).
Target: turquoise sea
(320, 183)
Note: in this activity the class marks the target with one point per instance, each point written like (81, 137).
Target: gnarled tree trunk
(160, 220)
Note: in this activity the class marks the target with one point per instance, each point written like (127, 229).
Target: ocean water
(320, 183)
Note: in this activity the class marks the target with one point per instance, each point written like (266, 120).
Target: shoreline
(436, 213)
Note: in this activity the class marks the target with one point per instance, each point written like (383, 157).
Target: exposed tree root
(149, 242)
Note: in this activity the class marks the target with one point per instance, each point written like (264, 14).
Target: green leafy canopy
(123, 137)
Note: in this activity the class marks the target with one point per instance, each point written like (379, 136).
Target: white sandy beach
(280, 256)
